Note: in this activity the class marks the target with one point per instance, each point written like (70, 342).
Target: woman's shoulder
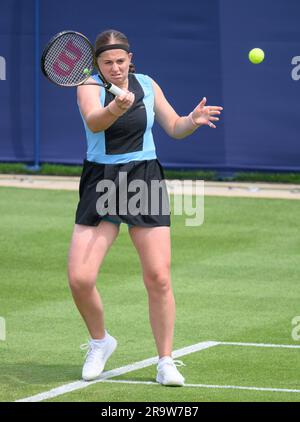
(142, 76)
(89, 88)
(143, 79)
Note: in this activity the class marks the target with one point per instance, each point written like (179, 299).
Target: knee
(158, 282)
(80, 282)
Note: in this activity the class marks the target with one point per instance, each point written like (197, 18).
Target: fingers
(213, 111)
(121, 104)
(203, 102)
(205, 115)
(211, 120)
(124, 102)
(124, 97)
(216, 108)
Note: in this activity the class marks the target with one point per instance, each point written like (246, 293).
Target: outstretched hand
(205, 115)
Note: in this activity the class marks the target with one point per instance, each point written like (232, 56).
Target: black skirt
(134, 193)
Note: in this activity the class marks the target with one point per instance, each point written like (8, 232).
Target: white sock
(164, 359)
(101, 341)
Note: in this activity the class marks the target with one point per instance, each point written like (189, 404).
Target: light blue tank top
(98, 147)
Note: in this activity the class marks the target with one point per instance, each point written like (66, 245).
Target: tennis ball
(256, 55)
(86, 71)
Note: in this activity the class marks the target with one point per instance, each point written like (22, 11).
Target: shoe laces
(91, 351)
(173, 362)
(178, 363)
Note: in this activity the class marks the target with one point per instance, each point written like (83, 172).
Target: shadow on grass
(35, 374)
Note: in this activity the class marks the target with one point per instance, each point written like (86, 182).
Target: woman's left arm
(179, 127)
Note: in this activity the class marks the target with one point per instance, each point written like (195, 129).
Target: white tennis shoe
(97, 356)
(168, 374)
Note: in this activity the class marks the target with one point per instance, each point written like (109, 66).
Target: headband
(111, 47)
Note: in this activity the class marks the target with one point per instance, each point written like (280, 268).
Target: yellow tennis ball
(86, 71)
(256, 55)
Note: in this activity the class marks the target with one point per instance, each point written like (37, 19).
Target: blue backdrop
(192, 49)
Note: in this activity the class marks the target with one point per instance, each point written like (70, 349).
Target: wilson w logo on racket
(69, 60)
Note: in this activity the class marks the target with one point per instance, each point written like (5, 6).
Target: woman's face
(114, 65)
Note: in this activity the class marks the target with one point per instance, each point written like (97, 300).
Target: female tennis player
(120, 142)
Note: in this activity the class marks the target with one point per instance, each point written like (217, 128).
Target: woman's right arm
(100, 118)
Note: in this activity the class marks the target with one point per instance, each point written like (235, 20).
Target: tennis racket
(69, 60)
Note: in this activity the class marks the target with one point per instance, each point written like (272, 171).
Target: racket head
(66, 59)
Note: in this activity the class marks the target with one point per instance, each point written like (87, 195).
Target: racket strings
(67, 58)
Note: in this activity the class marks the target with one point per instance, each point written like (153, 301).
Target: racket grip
(115, 90)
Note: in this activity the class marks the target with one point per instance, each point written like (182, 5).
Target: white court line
(77, 385)
(227, 387)
(282, 346)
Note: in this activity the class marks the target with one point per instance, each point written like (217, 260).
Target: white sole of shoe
(169, 383)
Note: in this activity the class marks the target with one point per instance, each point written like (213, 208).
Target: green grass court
(235, 278)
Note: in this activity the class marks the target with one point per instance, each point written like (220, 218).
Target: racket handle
(114, 90)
